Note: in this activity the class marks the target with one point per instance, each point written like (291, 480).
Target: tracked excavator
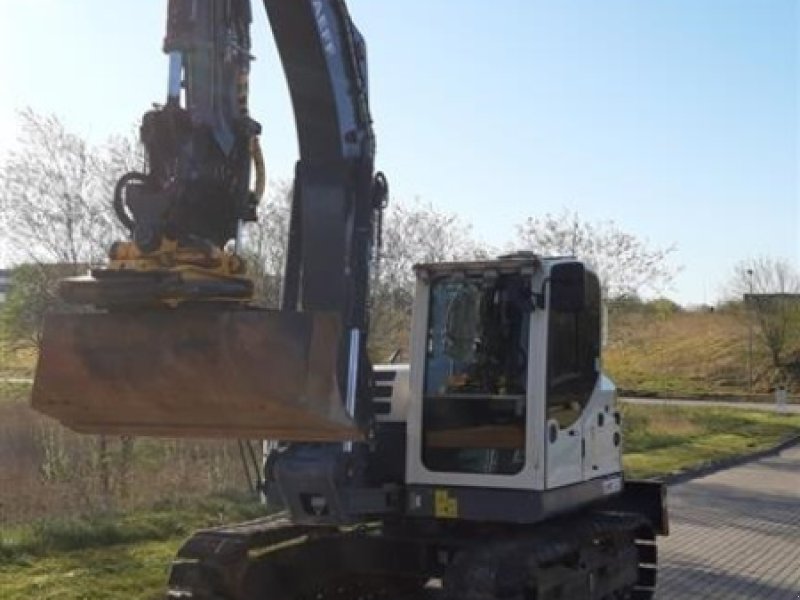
(489, 466)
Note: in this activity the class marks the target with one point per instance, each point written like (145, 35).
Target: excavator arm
(336, 193)
(201, 143)
(175, 347)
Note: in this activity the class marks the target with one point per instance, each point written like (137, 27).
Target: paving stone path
(735, 534)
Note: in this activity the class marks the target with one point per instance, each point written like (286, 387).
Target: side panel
(583, 425)
(564, 453)
(419, 320)
(564, 460)
(602, 432)
(592, 446)
(390, 397)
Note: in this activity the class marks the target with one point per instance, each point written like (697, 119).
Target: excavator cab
(506, 389)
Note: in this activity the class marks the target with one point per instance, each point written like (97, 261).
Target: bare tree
(55, 194)
(418, 233)
(33, 294)
(771, 287)
(627, 264)
(55, 209)
(413, 233)
(265, 243)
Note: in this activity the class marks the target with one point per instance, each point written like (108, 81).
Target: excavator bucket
(250, 374)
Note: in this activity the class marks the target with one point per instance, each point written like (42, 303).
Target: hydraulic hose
(260, 169)
(120, 208)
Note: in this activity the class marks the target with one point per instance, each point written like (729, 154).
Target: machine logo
(324, 26)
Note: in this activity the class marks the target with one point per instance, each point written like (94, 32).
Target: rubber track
(507, 569)
(213, 564)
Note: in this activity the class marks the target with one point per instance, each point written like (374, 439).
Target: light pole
(748, 300)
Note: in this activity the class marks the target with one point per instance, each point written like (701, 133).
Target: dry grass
(16, 363)
(684, 353)
(674, 424)
(47, 471)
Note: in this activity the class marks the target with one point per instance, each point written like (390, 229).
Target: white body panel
(564, 455)
(602, 431)
(588, 448)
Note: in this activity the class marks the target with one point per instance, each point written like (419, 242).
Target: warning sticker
(445, 505)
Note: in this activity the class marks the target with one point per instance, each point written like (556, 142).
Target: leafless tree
(55, 193)
(771, 287)
(627, 264)
(55, 210)
(265, 243)
(413, 233)
(418, 233)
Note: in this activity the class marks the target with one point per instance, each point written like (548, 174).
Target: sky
(676, 119)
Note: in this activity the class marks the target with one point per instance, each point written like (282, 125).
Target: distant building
(5, 284)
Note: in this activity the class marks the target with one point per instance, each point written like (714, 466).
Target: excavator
(487, 468)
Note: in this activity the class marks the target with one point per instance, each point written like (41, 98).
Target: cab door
(573, 346)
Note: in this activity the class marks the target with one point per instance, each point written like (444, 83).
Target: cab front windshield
(475, 374)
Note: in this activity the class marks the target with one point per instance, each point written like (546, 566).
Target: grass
(164, 521)
(14, 391)
(136, 571)
(16, 363)
(109, 556)
(684, 354)
(661, 440)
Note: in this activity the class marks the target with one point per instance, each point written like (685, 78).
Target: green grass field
(661, 440)
(132, 571)
(123, 555)
(127, 555)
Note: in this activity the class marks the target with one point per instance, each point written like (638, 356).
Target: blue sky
(678, 119)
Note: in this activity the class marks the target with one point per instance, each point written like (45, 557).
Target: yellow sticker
(445, 506)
